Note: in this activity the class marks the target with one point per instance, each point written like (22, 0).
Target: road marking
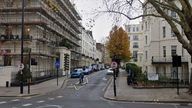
(40, 101)
(87, 80)
(48, 106)
(51, 98)
(59, 96)
(15, 100)
(3, 102)
(175, 106)
(27, 97)
(104, 79)
(29, 104)
(75, 87)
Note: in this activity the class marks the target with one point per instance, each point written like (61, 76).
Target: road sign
(21, 66)
(57, 64)
(114, 65)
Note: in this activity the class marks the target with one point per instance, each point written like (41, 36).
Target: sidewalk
(37, 89)
(127, 93)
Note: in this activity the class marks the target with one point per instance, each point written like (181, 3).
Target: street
(73, 95)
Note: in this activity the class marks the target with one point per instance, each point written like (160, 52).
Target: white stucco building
(88, 48)
(160, 44)
(135, 34)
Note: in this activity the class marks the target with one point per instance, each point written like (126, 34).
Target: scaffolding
(45, 26)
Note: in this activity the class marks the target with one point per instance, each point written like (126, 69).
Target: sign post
(114, 66)
(57, 65)
(176, 62)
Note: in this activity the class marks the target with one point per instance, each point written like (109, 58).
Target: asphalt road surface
(87, 95)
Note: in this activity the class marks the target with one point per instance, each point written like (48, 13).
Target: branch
(173, 26)
(130, 18)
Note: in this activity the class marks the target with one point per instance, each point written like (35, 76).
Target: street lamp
(22, 33)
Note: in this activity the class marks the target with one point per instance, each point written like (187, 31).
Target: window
(137, 29)
(133, 29)
(9, 3)
(135, 56)
(146, 55)
(164, 32)
(135, 37)
(173, 50)
(129, 29)
(145, 39)
(135, 45)
(145, 25)
(157, 70)
(164, 71)
(164, 51)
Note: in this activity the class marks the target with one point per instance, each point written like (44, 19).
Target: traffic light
(66, 61)
(176, 61)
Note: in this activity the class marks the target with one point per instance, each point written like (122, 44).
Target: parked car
(76, 73)
(110, 71)
(86, 71)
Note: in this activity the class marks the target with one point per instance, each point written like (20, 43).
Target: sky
(100, 25)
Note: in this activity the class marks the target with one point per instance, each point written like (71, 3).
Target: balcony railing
(160, 60)
(15, 38)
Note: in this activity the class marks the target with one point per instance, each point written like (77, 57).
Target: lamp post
(22, 33)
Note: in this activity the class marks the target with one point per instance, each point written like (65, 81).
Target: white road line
(27, 97)
(40, 101)
(3, 102)
(51, 98)
(175, 106)
(59, 96)
(77, 83)
(15, 100)
(75, 87)
(104, 79)
(29, 104)
(87, 80)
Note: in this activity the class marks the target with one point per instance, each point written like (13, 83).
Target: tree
(181, 23)
(118, 44)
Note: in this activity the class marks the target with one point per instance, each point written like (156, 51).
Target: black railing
(168, 59)
(15, 37)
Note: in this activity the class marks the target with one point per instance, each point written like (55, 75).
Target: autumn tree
(180, 23)
(118, 44)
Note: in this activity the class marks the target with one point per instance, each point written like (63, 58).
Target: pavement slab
(128, 93)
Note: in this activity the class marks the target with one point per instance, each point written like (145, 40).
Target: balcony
(166, 60)
(15, 38)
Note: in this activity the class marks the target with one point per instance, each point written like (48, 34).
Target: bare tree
(181, 25)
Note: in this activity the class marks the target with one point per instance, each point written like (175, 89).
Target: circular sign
(114, 65)
(21, 66)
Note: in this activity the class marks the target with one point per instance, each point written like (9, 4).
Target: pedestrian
(81, 78)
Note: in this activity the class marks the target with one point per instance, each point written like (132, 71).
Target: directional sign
(114, 65)
(57, 64)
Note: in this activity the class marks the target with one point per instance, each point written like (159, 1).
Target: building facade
(160, 44)
(48, 25)
(135, 34)
(88, 49)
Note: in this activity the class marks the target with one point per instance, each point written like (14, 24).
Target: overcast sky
(101, 25)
